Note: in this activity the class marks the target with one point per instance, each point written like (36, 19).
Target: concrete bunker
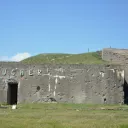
(98, 84)
(125, 89)
(12, 92)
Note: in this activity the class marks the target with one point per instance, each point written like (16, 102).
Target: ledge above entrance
(13, 81)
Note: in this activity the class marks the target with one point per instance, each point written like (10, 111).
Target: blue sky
(30, 27)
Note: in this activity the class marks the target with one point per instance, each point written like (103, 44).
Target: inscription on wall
(21, 72)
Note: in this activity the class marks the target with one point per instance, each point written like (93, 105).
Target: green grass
(85, 58)
(50, 115)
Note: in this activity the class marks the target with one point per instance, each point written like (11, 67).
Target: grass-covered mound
(85, 58)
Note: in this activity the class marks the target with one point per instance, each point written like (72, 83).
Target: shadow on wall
(125, 87)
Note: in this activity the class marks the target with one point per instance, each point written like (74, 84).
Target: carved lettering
(21, 73)
(4, 72)
(13, 72)
(39, 72)
(31, 72)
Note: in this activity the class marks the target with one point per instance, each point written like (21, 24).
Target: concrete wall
(97, 84)
(112, 55)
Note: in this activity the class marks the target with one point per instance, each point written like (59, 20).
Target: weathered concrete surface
(119, 56)
(97, 84)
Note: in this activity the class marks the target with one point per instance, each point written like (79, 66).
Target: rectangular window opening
(125, 92)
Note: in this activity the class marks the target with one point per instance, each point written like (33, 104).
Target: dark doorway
(125, 92)
(12, 93)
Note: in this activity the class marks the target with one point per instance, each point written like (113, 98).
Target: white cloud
(20, 56)
(17, 57)
(4, 58)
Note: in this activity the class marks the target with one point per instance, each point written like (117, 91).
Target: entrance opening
(12, 93)
(125, 92)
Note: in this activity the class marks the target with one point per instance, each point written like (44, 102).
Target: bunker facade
(91, 84)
